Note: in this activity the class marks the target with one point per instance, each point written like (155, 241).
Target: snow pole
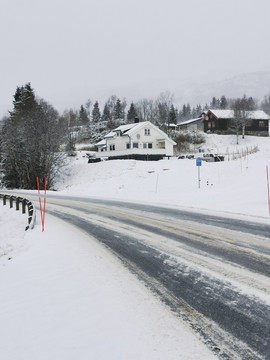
(268, 188)
(157, 183)
(42, 213)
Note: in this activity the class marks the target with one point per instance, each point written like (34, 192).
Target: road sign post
(199, 164)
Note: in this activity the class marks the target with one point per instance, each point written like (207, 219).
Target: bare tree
(164, 103)
(242, 108)
(237, 120)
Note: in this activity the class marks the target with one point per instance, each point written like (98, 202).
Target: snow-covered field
(237, 186)
(63, 296)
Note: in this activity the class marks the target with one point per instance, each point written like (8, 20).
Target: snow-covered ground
(63, 296)
(237, 186)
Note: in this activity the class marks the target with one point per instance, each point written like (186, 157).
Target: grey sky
(72, 50)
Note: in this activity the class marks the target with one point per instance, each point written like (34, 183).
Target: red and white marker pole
(42, 213)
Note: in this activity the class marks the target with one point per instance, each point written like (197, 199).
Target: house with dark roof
(257, 122)
(139, 140)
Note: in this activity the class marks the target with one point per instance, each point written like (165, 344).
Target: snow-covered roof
(124, 129)
(189, 121)
(101, 143)
(229, 114)
(129, 129)
(110, 134)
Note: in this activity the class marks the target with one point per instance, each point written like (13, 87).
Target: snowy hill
(237, 185)
(192, 91)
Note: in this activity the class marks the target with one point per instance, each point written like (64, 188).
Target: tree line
(34, 135)
(160, 111)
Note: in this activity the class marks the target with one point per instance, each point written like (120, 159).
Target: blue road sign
(199, 162)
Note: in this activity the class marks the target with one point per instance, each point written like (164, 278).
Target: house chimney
(136, 120)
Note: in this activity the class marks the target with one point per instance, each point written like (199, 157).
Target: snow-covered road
(217, 279)
(64, 296)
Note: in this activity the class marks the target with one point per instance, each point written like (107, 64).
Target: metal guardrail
(24, 203)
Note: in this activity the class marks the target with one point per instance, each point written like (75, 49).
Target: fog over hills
(256, 84)
(189, 90)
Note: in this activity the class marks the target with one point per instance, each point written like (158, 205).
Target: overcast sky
(72, 50)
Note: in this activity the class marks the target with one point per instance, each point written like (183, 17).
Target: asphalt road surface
(213, 272)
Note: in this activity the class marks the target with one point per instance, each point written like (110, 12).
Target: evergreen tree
(96, 113)
(214, 104)
(132, 113)
(83, 116)
(172, 115)
(118, 110)
(198, 110)
(223, 102)
(251, 104)
(30, 137)
(106, 115)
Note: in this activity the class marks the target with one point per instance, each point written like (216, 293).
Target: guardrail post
(23, 206)
(30, 213)
(17, 204)
(4, 200)
(11, 202)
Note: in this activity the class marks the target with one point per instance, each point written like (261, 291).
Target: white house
(139, 140)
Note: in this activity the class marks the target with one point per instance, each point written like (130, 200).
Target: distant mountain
(255, 84)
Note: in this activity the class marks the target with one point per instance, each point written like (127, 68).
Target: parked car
(212, 157)
(208, 157)
(92, 158)
(181, 157)
(190, 156)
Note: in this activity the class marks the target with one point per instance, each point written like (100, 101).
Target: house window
(150, 145)
(147, 132)
(136, 145)
(112, 147)
(128, 145)
(145, 146)
(261, 124)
